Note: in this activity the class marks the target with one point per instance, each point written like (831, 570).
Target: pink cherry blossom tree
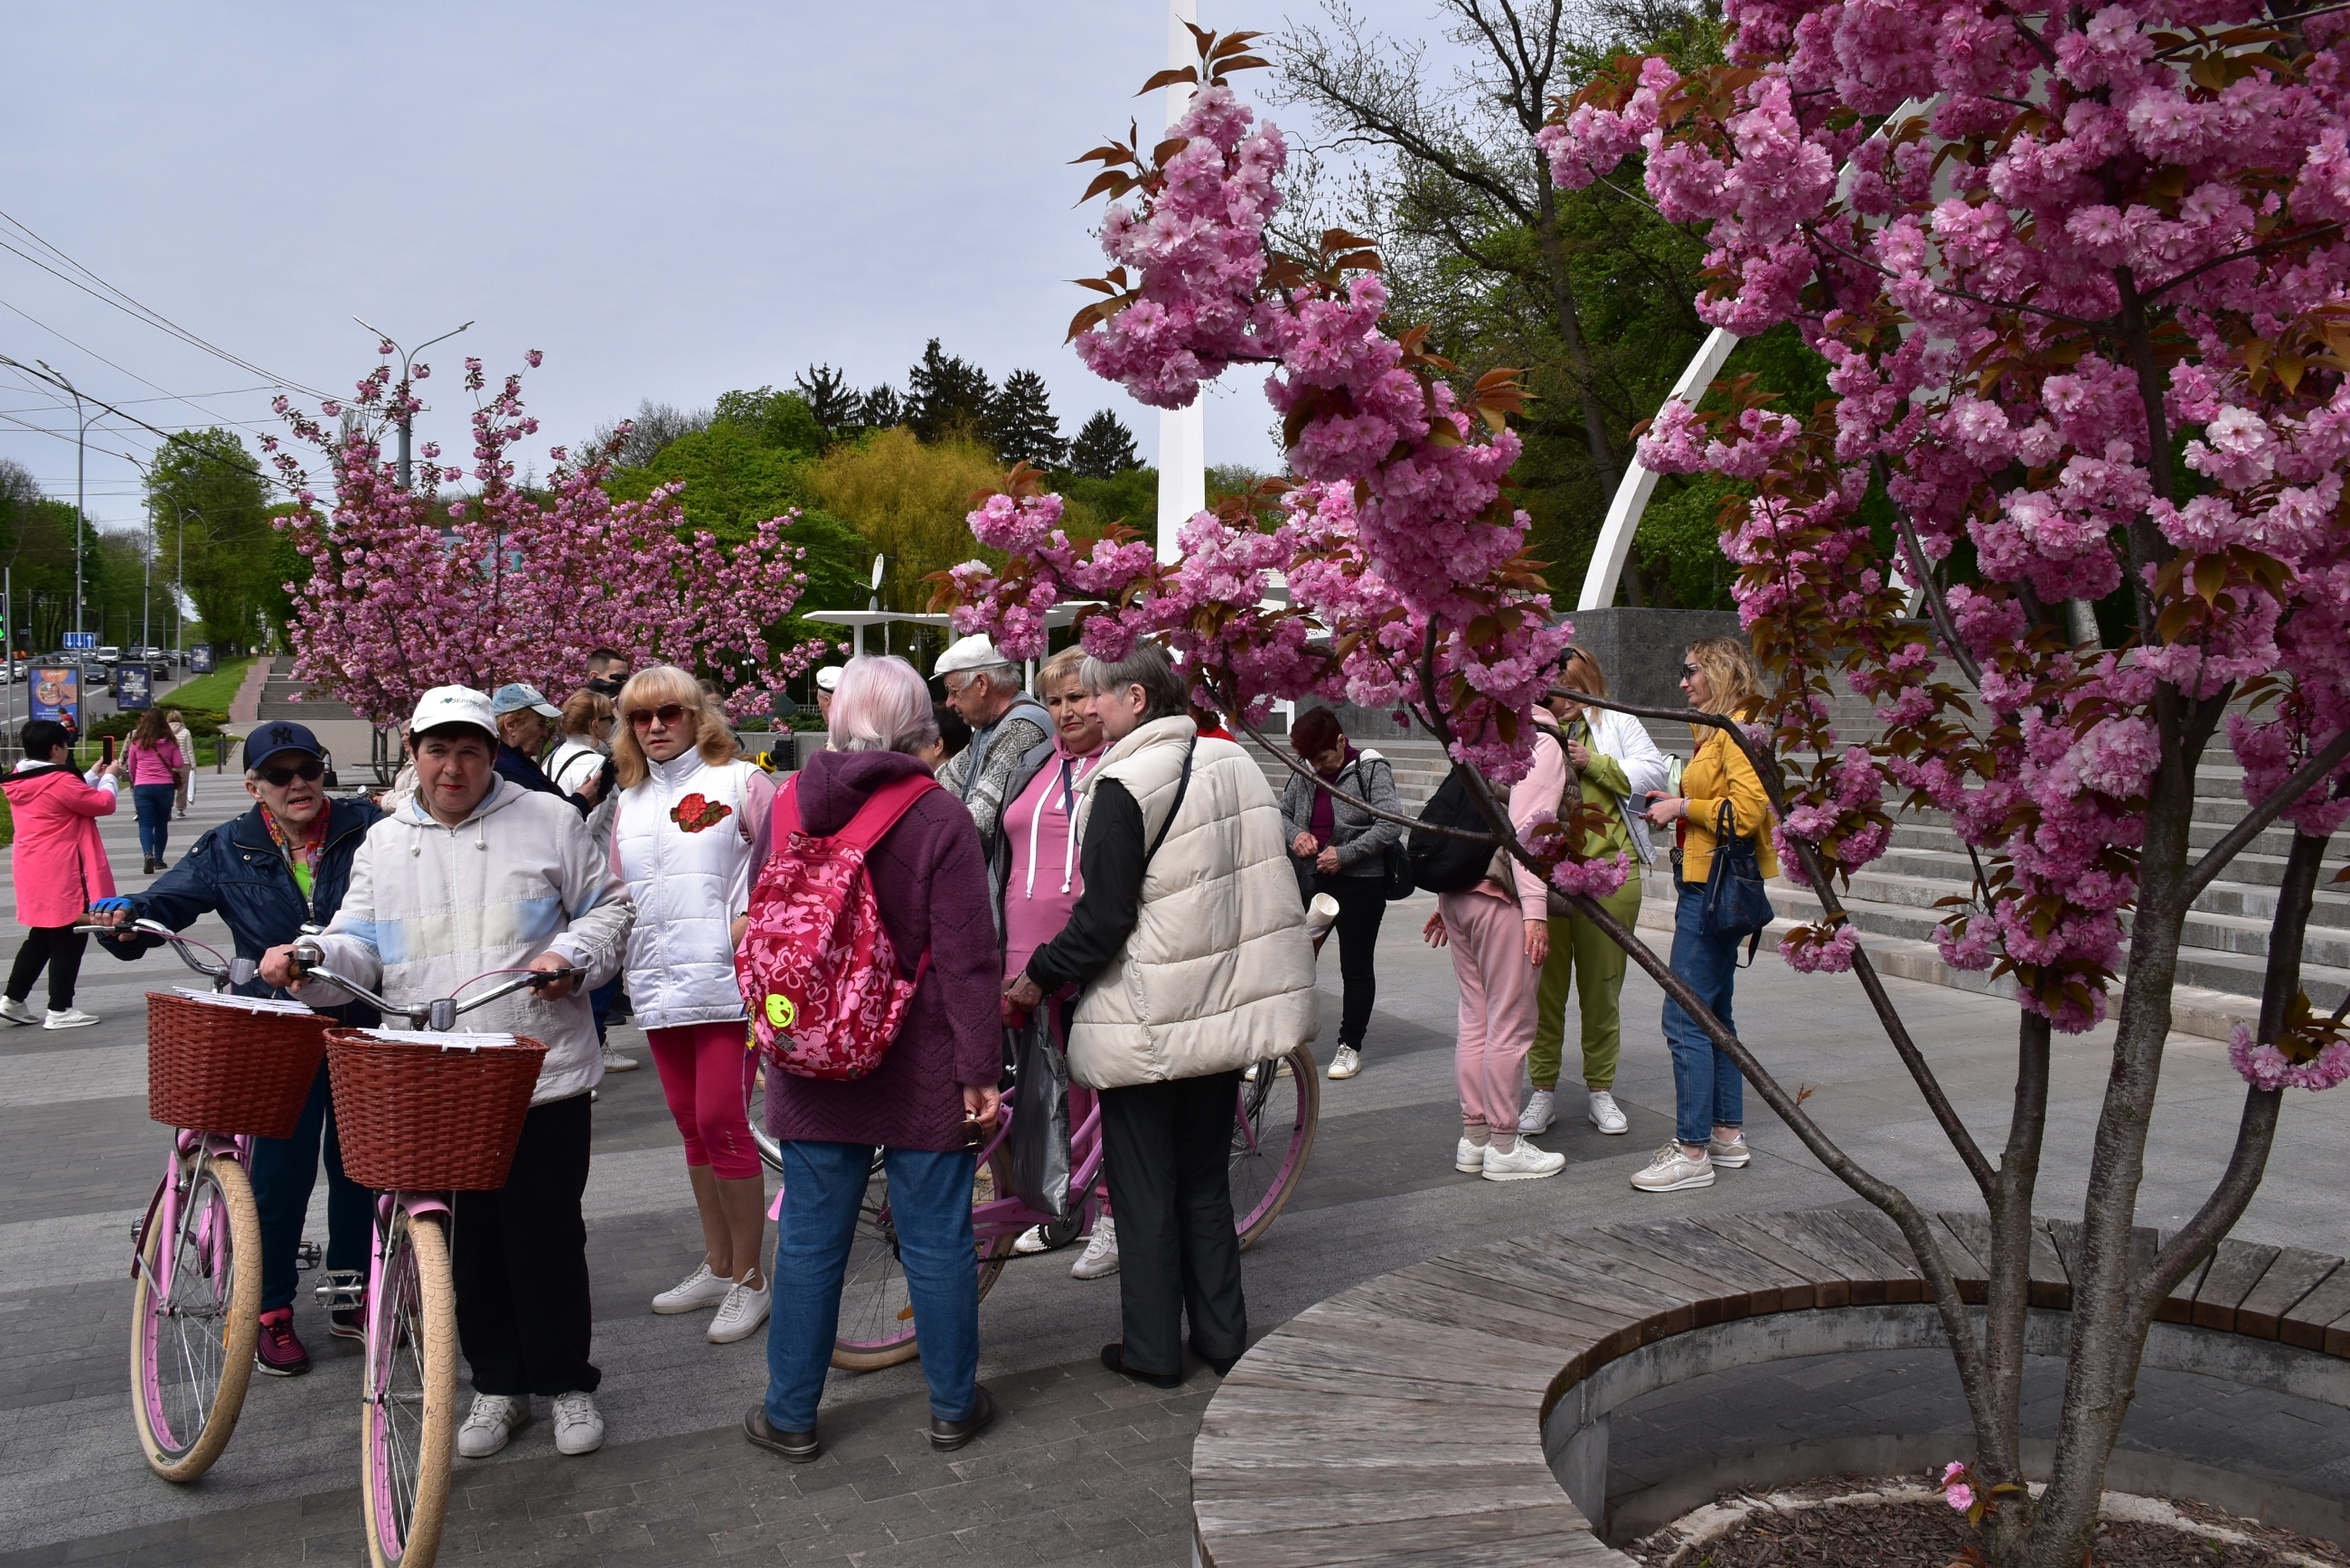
(414, 588)
(2080, 278)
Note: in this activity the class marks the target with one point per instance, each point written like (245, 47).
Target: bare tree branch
(2323, 760)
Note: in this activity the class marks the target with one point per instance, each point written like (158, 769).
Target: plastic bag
(1038, 1145)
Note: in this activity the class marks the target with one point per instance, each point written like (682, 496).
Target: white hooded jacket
(430, 906)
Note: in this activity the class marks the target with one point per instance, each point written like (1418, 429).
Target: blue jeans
(154, 804)
(1709, 1091)
(283, 1171)
(930, 1198)
(599, 1001)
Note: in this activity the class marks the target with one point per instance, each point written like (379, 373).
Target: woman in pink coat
(59, 866)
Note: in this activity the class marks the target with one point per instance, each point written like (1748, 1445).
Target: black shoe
(797, 1447)
(1222, 1366)
(947, 1436)
(1114, 1357)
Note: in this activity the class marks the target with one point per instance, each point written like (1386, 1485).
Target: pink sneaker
(278, 1352)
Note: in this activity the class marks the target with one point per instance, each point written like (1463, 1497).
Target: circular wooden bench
(1455, 1412)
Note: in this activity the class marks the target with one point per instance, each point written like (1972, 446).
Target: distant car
(109, 654)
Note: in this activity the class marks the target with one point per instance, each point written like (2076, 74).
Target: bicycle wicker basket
(421, 1118)
(219, 1068)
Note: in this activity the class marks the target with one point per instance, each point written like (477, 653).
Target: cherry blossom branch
(1282, 756)
(1948, 291)
(2196, 272)
(2304, 778)
(1938, 606)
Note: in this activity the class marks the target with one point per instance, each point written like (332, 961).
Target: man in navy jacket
(272, 874)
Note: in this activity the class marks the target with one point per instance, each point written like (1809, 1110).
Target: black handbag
(1395, 865)
(1735, 903)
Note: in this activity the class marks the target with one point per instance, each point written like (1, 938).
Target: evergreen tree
(882, 409)
(947, 397)
(830, 399)
(1104, 448)
(779, 419)
(1021, 425)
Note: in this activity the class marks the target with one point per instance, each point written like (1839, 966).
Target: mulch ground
(1930, 1534)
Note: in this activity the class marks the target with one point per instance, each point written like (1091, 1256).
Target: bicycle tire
(411, 1364)
(755, 1111)
(1273, 1134)
(877, 1321)
(185, 1421)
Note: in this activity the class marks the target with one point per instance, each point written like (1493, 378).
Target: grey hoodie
(431, 907)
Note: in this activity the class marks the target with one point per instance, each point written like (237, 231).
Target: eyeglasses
(309, 772)
(669, 715)
(1690, 671)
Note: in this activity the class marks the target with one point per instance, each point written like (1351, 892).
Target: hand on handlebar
(286, 967)
(567, 978)
(110, 912)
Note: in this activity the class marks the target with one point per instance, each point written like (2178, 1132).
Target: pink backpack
(818, 972)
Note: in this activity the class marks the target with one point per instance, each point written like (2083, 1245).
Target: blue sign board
(199, 658)
(81, 639)
(132, 691)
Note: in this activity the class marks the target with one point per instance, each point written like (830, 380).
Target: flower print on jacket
(696, 812)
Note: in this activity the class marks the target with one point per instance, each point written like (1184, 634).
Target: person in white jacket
(1616, 764)
(475, 874)
(687, 839)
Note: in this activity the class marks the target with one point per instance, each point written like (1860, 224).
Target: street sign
(81, 639)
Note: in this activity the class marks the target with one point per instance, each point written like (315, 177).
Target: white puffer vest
(688, 889)
(1217, 972)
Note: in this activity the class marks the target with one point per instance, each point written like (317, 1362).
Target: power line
(176, 440)
(168, 393)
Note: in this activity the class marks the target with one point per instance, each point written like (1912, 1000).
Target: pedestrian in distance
(156, 764)
(1340, 849)
(1499, 932)
(954, 736)
(1007, 725)
(582, 754)
(179, 724)
(1039, 882)
(827, 681)
(1718, 676)
(1189, 948)
(476, 874)
(524, 720)
(1615, 765)
(690, 835)
(272, 875)
(58, 865)
(607, 672)
(924, 1105)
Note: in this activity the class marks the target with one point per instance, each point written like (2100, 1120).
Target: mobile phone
(107, 758)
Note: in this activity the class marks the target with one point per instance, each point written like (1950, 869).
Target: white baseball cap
(974, 652)
(828, 678)
(454, 705)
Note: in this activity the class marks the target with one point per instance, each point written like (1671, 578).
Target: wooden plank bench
(1428, 1415)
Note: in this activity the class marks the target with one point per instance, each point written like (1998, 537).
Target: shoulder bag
(1735, 903)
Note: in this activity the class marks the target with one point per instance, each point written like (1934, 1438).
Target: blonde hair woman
(688, 837)
(1709, 1094)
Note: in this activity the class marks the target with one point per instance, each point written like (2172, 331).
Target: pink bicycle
(221, 1070)
(419, 1119)
(1273, 1133)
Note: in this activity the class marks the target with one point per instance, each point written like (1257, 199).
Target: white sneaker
(1732, 1154)
(1538, 1115)
(493, 1418)
(1031, 1241)
(1468, 1159)
(71, 1018)
(1524, 1162)
(1605, 1114)
(1100, 1257)
(578, 1429)
(616, 1063)
(1672, 1170)
(697, 1290)
(16, 1012)
(1346, 1063)
(742, 1311)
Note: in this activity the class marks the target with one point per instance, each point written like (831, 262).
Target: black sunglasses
(309, 771)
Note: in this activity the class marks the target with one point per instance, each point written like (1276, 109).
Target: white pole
(1182, 432)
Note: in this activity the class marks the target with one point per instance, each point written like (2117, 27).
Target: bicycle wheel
(192, 1343)
(408, 1414)
(755, 1107)
(877, 1313)
(1272, 1136)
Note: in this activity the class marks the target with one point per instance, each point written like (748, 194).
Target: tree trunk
(1570, 329)
(2001, 1453)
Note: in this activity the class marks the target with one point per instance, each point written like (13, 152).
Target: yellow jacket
(1720, 771)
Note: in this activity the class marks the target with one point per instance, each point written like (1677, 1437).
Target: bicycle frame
(1008, 1216)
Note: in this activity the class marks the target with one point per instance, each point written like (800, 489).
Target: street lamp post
(81, 444)
(405, 356)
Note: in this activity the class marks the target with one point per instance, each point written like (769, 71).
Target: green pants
(1587, 959)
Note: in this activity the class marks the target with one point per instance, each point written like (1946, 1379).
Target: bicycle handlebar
(440, 1016)
(227, 972)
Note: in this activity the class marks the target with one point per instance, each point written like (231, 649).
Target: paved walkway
(1084, 1466)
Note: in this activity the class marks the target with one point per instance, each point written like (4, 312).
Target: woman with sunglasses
(688, 837)
(272, 875)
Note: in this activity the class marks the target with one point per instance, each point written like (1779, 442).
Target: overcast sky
(670, 200)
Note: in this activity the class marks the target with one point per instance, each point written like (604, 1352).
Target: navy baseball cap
(279, 735)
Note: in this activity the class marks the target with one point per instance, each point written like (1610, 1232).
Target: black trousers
(58, 947)
(523, 1320)
(1168, 1148)
(1362, 905)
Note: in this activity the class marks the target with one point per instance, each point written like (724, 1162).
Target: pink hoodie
(1536, 794)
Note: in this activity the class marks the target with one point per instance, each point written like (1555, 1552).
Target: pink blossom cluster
(410, 589)
(2106, 239)
(2266, 1067)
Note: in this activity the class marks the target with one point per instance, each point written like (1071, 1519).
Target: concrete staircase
(2225, 943)
(284, 697)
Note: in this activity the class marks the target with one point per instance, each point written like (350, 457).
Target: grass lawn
(213, 690)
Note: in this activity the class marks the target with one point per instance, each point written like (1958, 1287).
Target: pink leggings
(706, 1074)
(1498, 989)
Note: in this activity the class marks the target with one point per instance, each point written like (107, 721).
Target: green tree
(734, 481)
(831, 400)
(780, 421)
(1104, 448)
(1021, 425)
(948, 398)
(210, 509)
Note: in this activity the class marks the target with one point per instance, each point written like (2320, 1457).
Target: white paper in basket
(282, 1005)
(459, 1041)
